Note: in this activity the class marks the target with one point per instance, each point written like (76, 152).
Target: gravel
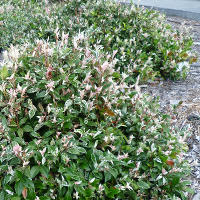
(186, 95)
(1, 57)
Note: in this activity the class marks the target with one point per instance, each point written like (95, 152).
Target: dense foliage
(72, 127)
(73, 122)
(145, 44)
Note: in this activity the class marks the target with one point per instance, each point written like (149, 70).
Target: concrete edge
(172, 12)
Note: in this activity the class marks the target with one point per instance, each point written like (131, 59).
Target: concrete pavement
(183, 8)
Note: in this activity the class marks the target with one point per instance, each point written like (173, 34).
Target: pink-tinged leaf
(24, 193)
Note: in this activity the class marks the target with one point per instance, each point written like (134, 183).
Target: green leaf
(32, 90)
(34, 171)
(22, 121)
(189, 190)
(38, 126)
(116, 75)
(32, 108)
(143, 185)
(19, 187)
(111, 192)
(15, 198)
(20, 132)
(41, 94)
(68, 196)
(35, 134)
(44, 171)
(7, 179)
(76, 150)
(27, 128)
(49, 133)
(31, 113)
(108, 176)
(45, 198)
(2, 195)
(68, 103)
(4, 121)
(114, 172)
(4, 72)
(68, 125)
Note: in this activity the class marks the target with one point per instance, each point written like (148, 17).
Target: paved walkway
(183, 8)
(185, 5)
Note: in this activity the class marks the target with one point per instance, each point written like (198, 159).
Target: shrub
(140, 36)
(71, 127)
(26, 21)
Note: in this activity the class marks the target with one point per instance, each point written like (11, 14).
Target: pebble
(196, 196)
(174, 102)
(193, 117)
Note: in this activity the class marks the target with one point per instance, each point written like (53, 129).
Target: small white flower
(159, 177)
(88, 87)
(140, 150)
(54, 119)
(130, 139)
(67, 160)
(121, 157)
(164, 172)
(112, 147)
(77, 182)
(82, 94)
(25, 163)
(1, 10)
(76, 195)
(137, 166)
(146, 35)
(41, 119)
(105, 66)
(92, 180)
(122, 187)
(153, 148)
(27, 76)
(38, 142)
(106, 139)
(98, 89)
(50, 86)
(43, 151)
(112, 138)
(14, 53)
(9, 192)
(101, 188)
(195, 162)
(17, 149)
(128, 186)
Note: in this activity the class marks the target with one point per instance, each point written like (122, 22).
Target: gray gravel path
(188, 92)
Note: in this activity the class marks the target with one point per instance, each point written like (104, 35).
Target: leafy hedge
(144, 43)
(73, 123)
(71, 127)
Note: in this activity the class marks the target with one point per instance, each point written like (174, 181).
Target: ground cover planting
(73, 123)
